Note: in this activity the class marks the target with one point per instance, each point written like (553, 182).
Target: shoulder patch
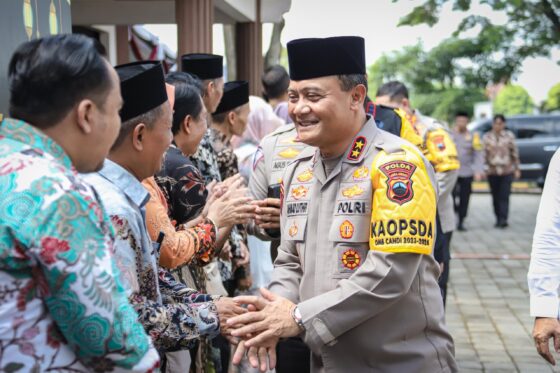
(399, 180)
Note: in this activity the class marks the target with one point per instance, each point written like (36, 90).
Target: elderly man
(63, 306)
(355, 275)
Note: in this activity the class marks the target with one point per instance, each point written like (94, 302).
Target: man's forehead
(322, 83)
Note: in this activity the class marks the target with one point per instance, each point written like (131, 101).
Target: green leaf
(12, 367)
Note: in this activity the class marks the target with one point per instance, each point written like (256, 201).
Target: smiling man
(355, 275)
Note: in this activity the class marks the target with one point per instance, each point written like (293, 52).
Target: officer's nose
(301, 108)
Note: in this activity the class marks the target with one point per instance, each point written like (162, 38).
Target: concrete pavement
(488, 299)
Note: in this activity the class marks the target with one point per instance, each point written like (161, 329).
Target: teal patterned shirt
(62, 305)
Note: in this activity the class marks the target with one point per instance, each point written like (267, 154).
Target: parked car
(537, 137)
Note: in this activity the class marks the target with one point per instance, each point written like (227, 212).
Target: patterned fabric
(226, 158)
(171, 325)
(179, 246)
(500, 153)
(205, 158)
(62, 304)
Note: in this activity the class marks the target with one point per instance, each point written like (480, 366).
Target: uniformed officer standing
(471, 157)
(433, 139)
(354, 274)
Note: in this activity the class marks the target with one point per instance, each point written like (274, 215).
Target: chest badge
(352, 191)
(399, 181)
(289, 153)
(293, 230)
(346, 229)
(357, 149)
(299, 192)
(439, 142)
(360, 174)
(305, 176)
(351, 259)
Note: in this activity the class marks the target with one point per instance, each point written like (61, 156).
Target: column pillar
(194, 20)
(248, 45)
(122, 36)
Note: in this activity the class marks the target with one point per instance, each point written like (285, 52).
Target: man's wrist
(296, 315)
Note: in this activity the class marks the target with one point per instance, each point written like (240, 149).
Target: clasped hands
(269, 319)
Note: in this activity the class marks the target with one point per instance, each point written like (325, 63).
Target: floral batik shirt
(205, 158)
(172, 314)
(62, 304)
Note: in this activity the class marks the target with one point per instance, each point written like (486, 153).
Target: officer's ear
(359, 93)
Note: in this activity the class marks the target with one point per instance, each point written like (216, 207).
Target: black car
(537, 137)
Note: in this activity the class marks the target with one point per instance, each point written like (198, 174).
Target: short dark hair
(149, 119)
(349, 81)
(499, 116)
(275, 81)
(48, 76)
(187, 98)
(461, 114)
(394, 89)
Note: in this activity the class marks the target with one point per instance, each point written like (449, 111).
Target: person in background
(471, 158)
(275, 81)
(544, 270)
(59, 281)
(502, 166)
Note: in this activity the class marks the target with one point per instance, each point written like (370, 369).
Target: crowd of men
(132, 202)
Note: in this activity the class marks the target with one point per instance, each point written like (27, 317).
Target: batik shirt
(62, 305)
(500, 153)
(172, 314)
(226, 158)
(205, 159)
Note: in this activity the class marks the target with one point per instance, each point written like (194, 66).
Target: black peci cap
(236, 93)
(203, 65)
(142, 87)
(317, 57)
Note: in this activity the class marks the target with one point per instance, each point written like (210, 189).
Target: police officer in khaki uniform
(432, 138)
(355, 275)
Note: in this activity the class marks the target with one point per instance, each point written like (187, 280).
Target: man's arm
(73, 250)
(172, 326)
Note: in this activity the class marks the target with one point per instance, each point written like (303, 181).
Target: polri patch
(346, 229)
(399, 180)
(351, 259)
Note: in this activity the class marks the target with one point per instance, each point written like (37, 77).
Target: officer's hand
(544, 329)
(263, 358)
(267, 214)
(517, 174)
(273, 319)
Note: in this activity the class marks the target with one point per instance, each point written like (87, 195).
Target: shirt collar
(20, 131)
(126, 182)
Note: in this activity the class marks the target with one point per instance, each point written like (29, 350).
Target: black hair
(188, 92)
(49, 76)
(499, 116)
(349, 81)
(149, 119)
(396, 91)
(461, 114)
(275, 81)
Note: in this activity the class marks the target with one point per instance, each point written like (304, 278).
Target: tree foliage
(512, 100)
(532, 29)
(553, 99)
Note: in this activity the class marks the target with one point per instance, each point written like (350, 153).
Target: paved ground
(488, 301)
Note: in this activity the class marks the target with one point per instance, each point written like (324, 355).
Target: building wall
(23, 20)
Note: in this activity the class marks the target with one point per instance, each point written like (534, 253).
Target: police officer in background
(471, 157)
(354, 269)
(433, 139)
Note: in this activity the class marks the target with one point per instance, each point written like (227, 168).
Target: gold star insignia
(359, 144)
(355, 153)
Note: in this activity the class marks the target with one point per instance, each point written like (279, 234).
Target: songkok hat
(236, 93)
(204, 66)
(142, 87)
(317, 57)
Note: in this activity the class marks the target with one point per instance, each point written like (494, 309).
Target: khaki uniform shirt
(356, 255)
(469, 151)
(274, 154)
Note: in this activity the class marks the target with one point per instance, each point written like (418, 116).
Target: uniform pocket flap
(295, 229)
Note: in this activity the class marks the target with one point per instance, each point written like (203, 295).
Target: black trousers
(293, 356)
(500, 186)
(461, 196)
(442, 254)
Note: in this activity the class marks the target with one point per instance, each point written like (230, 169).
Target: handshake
(257, 331)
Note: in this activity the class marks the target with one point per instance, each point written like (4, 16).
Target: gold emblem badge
(305, 176)
(353, 191)
(299, 192)
(293, 230)
(361, 173)
(289, 153)
(346, 229)
(351, 259)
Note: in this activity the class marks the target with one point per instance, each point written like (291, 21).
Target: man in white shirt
(544, 270)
